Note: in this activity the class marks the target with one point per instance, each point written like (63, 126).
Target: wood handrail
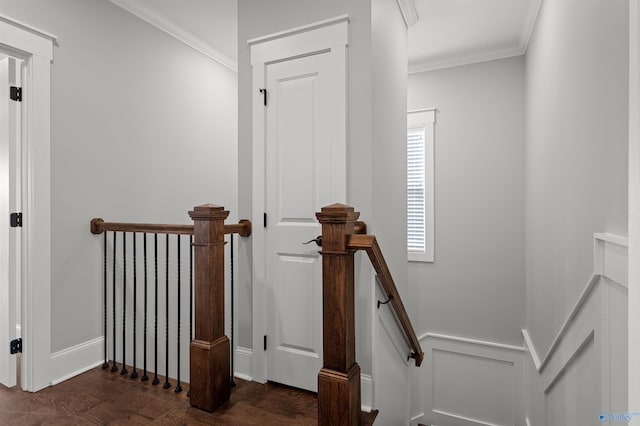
(360, 227)
(370, 244)
(98, 226)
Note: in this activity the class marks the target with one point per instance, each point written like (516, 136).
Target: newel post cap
(337, 213)
(208, 212)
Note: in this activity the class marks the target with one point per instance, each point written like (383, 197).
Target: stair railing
(209, 348)
(339, 400)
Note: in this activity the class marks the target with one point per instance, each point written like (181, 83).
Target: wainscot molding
(77, 359)
(164, 24)
(593, 338)
(541, 364)
(470, 381)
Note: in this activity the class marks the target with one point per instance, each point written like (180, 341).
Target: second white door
(305, 170)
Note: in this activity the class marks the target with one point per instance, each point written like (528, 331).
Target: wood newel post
(210, 384)
(339, 378)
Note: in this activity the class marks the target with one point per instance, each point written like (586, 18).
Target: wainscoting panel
(470, 382)
(583, 374)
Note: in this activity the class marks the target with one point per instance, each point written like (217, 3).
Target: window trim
(426, 117)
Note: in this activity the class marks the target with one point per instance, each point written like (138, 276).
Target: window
(420, 185)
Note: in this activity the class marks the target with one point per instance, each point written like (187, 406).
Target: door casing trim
(322, 36)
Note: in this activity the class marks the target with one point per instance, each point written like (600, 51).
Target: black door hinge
(15, 220)
(15, 93)
(15, 346)
(265, 342)
(265, 220)
(264, 94)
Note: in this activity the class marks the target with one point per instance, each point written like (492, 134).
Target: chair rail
(371, 246)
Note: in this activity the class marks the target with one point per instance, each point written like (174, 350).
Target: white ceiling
(448, 33)
(457, 32)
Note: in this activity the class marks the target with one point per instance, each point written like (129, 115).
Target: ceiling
(448, 33)
(458, 32)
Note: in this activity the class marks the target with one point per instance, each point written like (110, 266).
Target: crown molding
(529, 25)
(409, 12)
(456, 61)
(164, 24)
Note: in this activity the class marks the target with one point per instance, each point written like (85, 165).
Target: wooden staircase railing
(339, 379)
(210, 382)
(370, 244)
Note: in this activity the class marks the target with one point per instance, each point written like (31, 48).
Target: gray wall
(475, 287)
(143, 129)
(576, 151)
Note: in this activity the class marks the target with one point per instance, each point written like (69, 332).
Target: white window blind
(420, 185)
(415, 189)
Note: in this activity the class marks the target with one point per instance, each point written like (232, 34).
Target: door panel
(303, 156)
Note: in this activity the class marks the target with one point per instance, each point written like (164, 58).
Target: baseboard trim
(417, 419)
(76, 360)
(366, 393)
(243, 363)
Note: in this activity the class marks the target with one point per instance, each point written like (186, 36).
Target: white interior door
(305, 170)
(7, 284)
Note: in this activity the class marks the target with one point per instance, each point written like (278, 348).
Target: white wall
(576, 150)
(143, 129)
(576, 166)
(475, 288)
(387, 219)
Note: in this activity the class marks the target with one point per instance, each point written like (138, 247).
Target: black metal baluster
(114, 367)
(124, 304)
(134, 374)
(178, 386)
(104, 252)
(155, 332)
(144, 377)
(166, 385)
(233, 382)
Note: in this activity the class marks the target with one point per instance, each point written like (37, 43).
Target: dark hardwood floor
(100, 397)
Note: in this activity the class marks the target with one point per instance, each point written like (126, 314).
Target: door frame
(328, 35)
(634, 210)
(35, 48)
